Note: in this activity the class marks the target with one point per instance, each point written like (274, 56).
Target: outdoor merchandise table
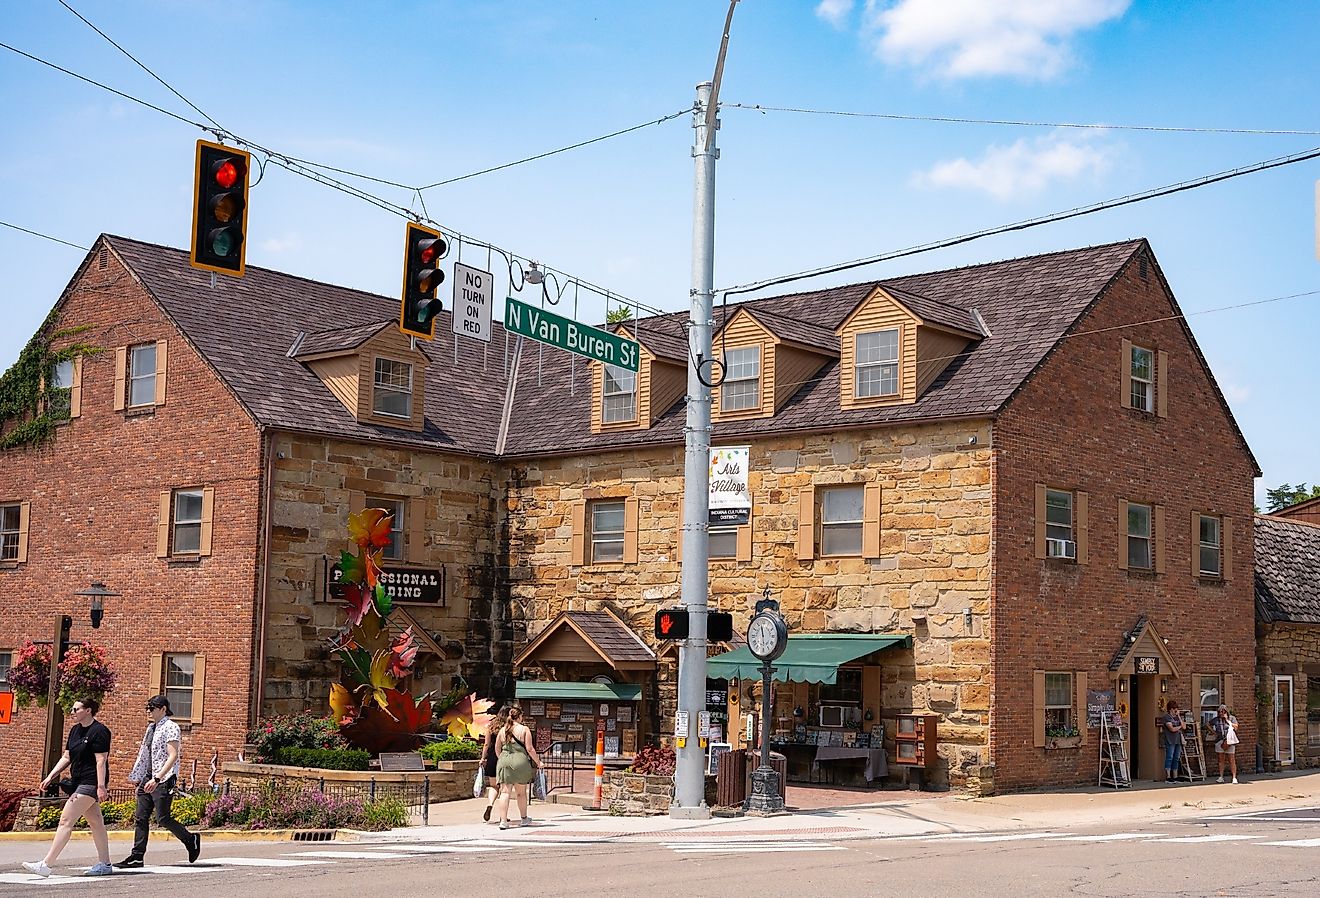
(877, 766)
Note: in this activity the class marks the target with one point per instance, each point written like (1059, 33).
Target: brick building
(1019, 477)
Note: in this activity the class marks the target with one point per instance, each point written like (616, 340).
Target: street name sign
(569, 335)
(473, 300)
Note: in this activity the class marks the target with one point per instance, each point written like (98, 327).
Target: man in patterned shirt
(154, 774)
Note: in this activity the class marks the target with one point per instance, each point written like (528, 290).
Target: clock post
(767, 637)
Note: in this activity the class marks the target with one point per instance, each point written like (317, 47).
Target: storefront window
(1313, 711)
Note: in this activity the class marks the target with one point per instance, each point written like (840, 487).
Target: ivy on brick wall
(25, 416)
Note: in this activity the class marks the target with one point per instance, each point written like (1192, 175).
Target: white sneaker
(1220, 780)
(38, 868)
(99, 870)
(1235, 782)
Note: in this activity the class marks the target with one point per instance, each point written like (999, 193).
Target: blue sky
(421, 92)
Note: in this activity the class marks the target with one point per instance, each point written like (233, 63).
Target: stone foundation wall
(1293, 651)
(645, 795)
(450, 781)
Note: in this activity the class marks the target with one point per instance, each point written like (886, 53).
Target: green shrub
(272, 735)
(325, 758)
(383, 814)
(188, 811)
(452, 750)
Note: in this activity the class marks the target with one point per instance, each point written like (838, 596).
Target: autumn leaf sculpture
(469, 717)
(373, 713)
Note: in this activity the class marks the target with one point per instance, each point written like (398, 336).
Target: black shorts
(88, 789)
(489, 769)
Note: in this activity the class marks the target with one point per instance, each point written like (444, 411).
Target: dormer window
(741, 388)
(877, 363)
(392, 394)
(618, 395)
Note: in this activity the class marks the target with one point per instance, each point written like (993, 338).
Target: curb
(211, 835)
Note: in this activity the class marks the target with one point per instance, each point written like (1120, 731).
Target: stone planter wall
(450, 781)
(26, 819)
(981, 780)
(644, 795)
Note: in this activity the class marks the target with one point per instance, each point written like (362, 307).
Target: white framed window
(841, 512)
(1059, 717)
(607, 529)
(392, 389)
(1059, 534)
(11, 527)
(179, 672)
(741, 388)
(877, 363)
(618, 401)
(1211, 547)
(397, 508)
(1209, 692)
(141, 375)
(1143, 379)
(186, 527)
(1139, 542)
(6, 662)
(723, 542)
(59, 398)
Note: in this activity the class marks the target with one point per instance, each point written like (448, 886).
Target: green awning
(809, 658)
(599, 692)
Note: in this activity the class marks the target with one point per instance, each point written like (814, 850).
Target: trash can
(731, 780)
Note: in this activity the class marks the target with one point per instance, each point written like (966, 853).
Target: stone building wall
(934, 564)
(314, 479)
(1288, 650)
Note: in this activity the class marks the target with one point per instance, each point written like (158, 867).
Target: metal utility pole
(690, 770)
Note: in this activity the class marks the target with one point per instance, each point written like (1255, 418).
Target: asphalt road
(1211, 856)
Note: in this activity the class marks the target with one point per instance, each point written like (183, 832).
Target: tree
(616, 316)
(1286, 494)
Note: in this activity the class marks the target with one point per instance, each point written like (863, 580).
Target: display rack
(1113, 752)
(1193, 763)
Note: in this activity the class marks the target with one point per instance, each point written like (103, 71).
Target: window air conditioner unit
(1060, 548)
(831, 715)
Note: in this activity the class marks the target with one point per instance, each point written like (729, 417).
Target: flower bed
(450, 781)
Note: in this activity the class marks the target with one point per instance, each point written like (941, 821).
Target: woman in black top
(87, 758)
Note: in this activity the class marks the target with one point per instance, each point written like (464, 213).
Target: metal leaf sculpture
(373, 713)
(469, 717)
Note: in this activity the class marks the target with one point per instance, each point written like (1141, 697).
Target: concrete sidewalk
(892, 814)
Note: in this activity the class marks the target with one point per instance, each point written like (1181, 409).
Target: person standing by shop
(490, 760)
(87, 758)
(154, 773)
(1226, 726)
(517, 765)
(1172, 723)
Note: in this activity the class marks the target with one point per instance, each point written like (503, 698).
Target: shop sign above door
(1146, 664)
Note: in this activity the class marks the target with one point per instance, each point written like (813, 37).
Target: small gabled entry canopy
(590, 636)
(1142, 640)
(809, 658)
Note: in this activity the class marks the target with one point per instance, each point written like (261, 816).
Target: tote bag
(1231, 737)
(538, 785)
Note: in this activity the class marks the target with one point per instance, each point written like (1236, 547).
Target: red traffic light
(225, 173)
(431, 249)
(219, 208)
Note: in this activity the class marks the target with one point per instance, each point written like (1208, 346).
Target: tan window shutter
(199, 687)
(415, 511)
(208, 515)
(1038, 708)
(1083, 528)
(24, 514)
(163, 524)
(121, 368)
(629, 531)
(75, 395)
(1226, 547)
(1196, 695)
(578, 548)
(806, 540)
(160, 372)
(1125, 376)
(1195, 544)
(1122, 534)
(155, 675)
(871, 521)
(357, 501)
(744, 550)
(1158, 537)
(1162, 384)
(1227, 697)
(1040, 521)
(1079, 683)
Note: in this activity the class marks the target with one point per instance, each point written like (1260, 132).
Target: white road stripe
(349, 855)
(1110, 837)
(1296, 843)
(758, 849)
(259, 862)
(1219, 838)
(434, 849)
(1017, 837)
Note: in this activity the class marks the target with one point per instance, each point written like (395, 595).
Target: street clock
(767, 636)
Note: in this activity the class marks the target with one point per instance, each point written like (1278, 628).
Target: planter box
(449, 781)
(644, 795)
(1056, 742)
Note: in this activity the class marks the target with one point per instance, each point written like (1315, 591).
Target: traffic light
(719, 626)
(422, 251)
(672, 623)
(220, 209)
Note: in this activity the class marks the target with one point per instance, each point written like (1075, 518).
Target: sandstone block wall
(1289, 650)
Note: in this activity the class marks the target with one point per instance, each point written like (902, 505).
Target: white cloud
(285, 244)
(1026, 167)
(834, 11)
(1236, 394)
(976, 38)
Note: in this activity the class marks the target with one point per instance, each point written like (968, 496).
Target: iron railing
(415, 796)
(561, 769)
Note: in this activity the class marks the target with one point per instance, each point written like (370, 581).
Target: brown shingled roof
(1287, 571)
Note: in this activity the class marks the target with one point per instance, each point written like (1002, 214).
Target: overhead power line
(1020, 123)
(44, 236)
(1077, 212)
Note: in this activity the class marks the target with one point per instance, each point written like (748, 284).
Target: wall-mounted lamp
(1164, 685)
(1122, 685)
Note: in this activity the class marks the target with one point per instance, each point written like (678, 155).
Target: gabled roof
(1143, 638)
(341, 339)
(1287, 571)
(610, 638)
(796, 330)
(934, 311)
(661, 344)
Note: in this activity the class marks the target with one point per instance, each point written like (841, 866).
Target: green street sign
(569, 335)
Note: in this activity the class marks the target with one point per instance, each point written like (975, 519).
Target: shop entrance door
(1147, 757)
(1138, 727)
(1283, 720)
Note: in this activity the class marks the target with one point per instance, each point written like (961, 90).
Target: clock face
(762, 636)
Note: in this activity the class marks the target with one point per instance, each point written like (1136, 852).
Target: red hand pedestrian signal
(671, 624)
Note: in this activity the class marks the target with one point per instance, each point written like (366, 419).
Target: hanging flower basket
(30, 675)
(85, 673)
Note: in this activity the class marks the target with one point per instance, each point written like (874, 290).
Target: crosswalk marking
(1296, 843)
(1109, 837)
(759, 847)
(260, 862)
(351, 855)
(1218, 838)
(1013, 837)
(437, 849)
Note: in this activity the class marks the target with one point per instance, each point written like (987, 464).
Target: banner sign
(413, 585)
(730, 499)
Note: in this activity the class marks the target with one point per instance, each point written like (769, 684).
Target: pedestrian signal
(423, 249)
(719, 626)
(220, 189)
(671, 623)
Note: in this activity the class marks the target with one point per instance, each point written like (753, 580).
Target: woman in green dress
(516, 767)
